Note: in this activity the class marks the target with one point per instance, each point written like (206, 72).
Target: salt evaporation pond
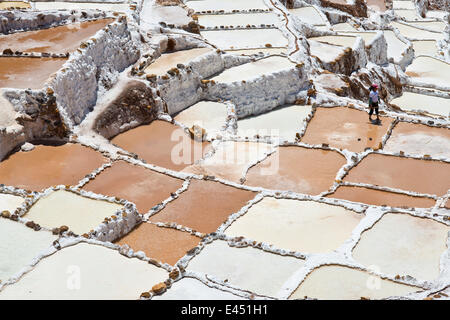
(425, 47)
(25, 72)
(229, 5)
(60, 39)
(14, 4)
(416, 33)
(254, 69)
(170, 60)
(69, 5)
(209, 115)
(410, 101)
(237, 19)
(245, 38)
(430, 71)
(308, 15)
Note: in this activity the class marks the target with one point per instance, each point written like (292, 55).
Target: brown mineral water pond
(204, 206)
(60, 39)
(24, 72)
(163, 244)
(142, 186)
(297, 169)
(163, 144)
(47, 166)
(345, 128)
(379, 198)
(423, 176)
(379, 5)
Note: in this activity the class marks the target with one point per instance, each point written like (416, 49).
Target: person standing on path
(373, 102)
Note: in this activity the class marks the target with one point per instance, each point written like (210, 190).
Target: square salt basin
(237, 19)
(283, 122)
(47, 166)
(170, 60)
(308, 15)
(246, 268)
(255, 69)
(163, 244)
(400, 244)
(245, 38)
(380, 197)
(429, 71)
(193, 289)
(297, 169)
(209, 115)
(335, 282)
(61, 39)
(231, 160)
(10, 202)
(204, 206)
(345, 128)
(303, 226)
(229, 5)
(414, 102)
(422, 176)
(142, 186)
(418, 140)
(19, 245)
(162, 144)
(25, 72)
(79, 213)
(104, 273)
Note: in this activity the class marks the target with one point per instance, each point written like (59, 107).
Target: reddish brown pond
(299, 169)
(204, 206)
(142, 186)
(163, 144)
(60, 39)
(163, 244)
(345, 128)
(423, 176)
(379, 5)
(47, 166)
(23, 73)
(379, 198)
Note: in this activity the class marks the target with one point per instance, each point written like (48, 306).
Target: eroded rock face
(358, 9)
(135, 104)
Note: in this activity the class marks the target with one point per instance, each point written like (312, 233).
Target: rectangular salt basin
(403, 5)
(257, 51)
(345, 26)
(19, 245)
(415, 33)
(283, 122)
(333, 282)
(242, 267)
(59, 39)
(410, 101)
(58, 5)
(168, 61)
(245, 39)
(237, 19)
(438, 26)
(408, 15)
(395, 46)
(425, 47)
(344, 40)
(324, 51)
(86, 272)
(366, 36)
(253, 70)
(23, 73)
(229, 5)
(404, 245)
(80, 214)
(430, 71)
(308, 15)
(302, 226)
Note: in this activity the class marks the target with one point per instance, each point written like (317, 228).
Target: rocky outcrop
(358, 9)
